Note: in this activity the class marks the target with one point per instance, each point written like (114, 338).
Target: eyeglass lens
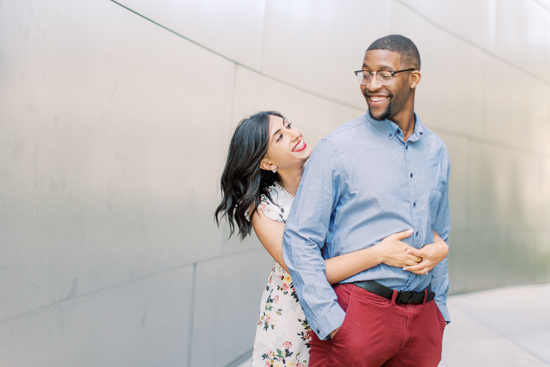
(383, 77)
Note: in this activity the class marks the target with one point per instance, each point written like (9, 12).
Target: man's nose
(373, 83)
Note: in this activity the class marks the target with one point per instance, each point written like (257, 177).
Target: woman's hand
(393, 252)
(431, 254)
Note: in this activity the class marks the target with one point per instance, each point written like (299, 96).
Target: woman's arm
(431, 254)
(391, 251)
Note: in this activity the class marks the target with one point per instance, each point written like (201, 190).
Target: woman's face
(286, 148)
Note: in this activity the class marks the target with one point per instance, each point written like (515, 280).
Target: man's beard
(384, 116)
(387, 112)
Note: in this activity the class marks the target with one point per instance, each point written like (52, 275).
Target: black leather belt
(403, 297)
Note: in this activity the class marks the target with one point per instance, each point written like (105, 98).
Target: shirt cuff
(444, 311)
(440, 286)
(329, 322)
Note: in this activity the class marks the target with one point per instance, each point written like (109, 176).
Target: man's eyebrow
(383, 67)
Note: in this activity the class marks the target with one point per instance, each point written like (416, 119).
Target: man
(379, 174)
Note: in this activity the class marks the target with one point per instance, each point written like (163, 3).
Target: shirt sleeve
(441, 225)
(305, 233)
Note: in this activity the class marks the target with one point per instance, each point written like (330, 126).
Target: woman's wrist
(374, 252)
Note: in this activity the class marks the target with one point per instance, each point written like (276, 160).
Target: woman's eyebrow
(275, 133)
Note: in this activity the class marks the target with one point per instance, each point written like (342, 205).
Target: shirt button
(417, 233)
(414, 204)
(391, 135)
(407, 147)
(411, 175)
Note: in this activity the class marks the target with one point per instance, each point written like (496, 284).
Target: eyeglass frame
(375, 73)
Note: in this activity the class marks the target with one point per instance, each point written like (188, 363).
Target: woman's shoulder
(276, 203)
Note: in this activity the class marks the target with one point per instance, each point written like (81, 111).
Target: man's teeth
(378, 99)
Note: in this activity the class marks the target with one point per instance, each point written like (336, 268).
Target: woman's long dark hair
(243, 181)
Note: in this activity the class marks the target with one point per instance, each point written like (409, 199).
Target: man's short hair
(400, 44)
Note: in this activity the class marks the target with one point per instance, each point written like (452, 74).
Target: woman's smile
(301, 145)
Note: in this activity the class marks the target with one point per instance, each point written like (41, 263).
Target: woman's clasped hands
(392, 251)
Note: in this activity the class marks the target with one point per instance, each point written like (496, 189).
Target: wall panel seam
(526, 72)
(134, 280)
(488, 142)
(264, 33)
(298, 88)
(352, 106)
(192, 316)
(542, 5)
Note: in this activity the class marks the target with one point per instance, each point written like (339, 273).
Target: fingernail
(409, 251)
(411, 230)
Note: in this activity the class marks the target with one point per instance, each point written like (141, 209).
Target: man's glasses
(384, 77)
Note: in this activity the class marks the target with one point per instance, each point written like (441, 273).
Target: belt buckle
(403, 297)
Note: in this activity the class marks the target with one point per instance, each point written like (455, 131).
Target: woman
(264, 166)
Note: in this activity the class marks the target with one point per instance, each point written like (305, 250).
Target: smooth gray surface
(102, 158)
(114, 130)
(227, 299)
(131, 324)
(234, 29)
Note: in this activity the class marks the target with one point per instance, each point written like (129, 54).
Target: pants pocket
(347, 307)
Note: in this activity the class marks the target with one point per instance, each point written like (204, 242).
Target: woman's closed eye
(287, 125)
(280, 136)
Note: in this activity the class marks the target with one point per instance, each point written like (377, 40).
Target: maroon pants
(378, 332)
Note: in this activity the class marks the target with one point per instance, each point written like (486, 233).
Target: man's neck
(290, 180)
(406, 122)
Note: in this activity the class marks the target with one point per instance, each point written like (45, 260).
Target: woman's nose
(295, 133)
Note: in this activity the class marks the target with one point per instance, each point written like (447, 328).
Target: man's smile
(378, 99)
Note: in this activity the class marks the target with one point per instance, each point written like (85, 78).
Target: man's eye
(385, 76)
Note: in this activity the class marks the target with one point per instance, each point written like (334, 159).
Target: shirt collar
(390, 129)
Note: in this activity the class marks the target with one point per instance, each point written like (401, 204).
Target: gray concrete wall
(114, 125)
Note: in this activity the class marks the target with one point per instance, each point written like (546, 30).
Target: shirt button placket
(411, 175)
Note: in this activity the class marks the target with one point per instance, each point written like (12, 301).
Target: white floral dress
(282, 334)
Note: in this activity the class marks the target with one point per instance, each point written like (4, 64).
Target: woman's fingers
(415, 252)
(402, 235)
(410, 263)
(421, 272)
(421, 267)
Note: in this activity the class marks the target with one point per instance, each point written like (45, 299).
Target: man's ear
(267, 165)
(415, 78)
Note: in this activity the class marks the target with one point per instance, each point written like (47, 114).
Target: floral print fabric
(277, 206)
(282, 333)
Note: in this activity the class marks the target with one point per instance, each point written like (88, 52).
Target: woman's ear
(267, 165)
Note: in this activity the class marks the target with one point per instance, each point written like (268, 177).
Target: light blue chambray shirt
(361, 184)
